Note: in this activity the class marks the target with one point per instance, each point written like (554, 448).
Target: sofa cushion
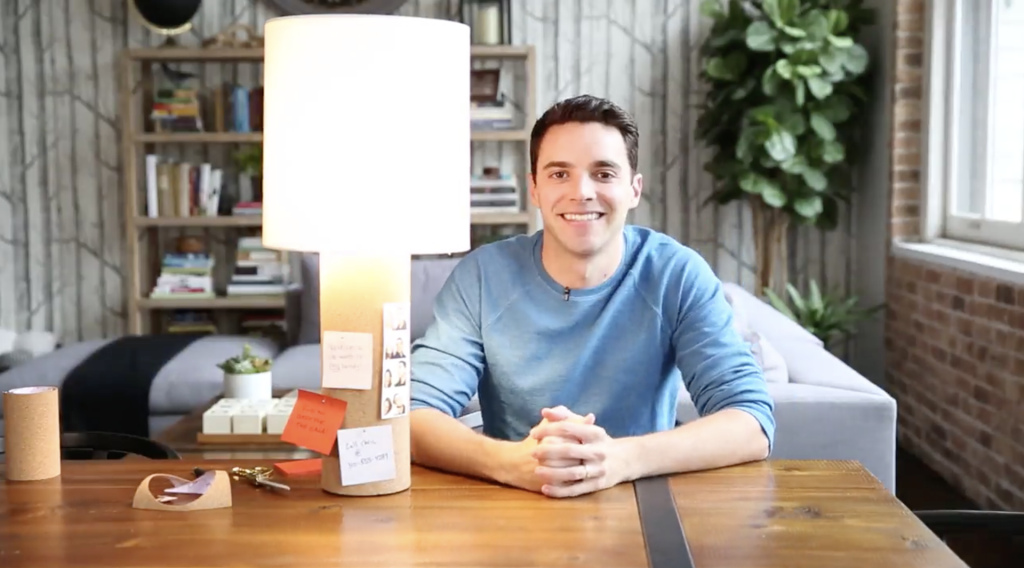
(771, 362)
(428, 276)
(768, 321)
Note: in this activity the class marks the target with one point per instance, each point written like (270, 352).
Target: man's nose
(584, 190)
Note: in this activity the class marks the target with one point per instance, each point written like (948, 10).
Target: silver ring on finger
(586, 472)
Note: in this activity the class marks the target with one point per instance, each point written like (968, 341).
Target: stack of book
(181, 189)
(258, 270)
(492, 115)
(185, 276)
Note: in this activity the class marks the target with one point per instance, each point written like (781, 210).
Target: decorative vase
(251, 386)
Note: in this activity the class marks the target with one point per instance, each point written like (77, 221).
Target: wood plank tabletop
(771, 514)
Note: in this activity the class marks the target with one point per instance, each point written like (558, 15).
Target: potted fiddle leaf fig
(247, 376)
(782, 113)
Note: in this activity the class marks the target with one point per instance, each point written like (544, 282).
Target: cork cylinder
(353, 291)
(32, 433)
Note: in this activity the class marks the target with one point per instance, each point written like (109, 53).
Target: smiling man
(578, 338)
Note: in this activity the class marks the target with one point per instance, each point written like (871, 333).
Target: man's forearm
(728, 437)
(442, 442)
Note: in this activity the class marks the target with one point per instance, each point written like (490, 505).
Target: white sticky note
(366, 454)
(347, 360)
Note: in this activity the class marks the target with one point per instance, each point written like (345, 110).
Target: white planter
(255, 386)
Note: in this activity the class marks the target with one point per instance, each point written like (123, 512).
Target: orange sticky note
(315, 421)
(297, 468)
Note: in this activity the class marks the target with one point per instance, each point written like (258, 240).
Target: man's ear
(638, 188)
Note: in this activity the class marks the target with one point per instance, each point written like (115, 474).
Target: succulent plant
(246, 363)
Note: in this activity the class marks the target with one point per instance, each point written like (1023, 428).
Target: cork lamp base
(353, 291)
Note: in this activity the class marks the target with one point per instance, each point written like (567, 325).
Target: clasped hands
(573, 455)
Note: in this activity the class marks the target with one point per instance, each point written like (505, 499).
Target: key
(258, 476)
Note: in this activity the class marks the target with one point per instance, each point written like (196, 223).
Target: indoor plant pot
(247, 376)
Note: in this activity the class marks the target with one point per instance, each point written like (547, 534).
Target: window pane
(1006, 154)
(968, 198)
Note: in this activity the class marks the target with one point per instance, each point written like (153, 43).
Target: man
(578, 338)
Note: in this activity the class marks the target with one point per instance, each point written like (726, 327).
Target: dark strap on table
(660, 523)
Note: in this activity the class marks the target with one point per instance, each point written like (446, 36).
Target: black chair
(108, 445)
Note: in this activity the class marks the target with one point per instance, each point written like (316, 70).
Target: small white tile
(248, 421)
(217, 421)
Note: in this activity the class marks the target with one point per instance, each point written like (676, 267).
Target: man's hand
(519, 467)
(592, 457)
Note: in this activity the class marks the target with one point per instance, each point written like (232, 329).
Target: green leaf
(833, 152)
(840, 41)
(795, 123)
(784, 68)
(774, 196)
(822, 127)
(819, 87)
(761, 36)
(836, 109)
(781, 145)
(712, 9)
(794, 297)
(815, 301)
(749, 182)
(837, 21)
(815, 24)
(771, 9)
(770, 82)
(800, 92)
(728, 68)
(808, 70)
(808, 207)
(788, 10)
(794, 32)
(815, 179)
(856, 59)
(777, 303)
(831, 59)
(795, 165)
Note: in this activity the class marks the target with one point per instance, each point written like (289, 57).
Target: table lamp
(366, 161)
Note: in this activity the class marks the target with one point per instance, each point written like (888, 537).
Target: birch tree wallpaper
(62, 265)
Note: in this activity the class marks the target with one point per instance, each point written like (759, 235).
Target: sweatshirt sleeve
(717, 365)
(448, 360)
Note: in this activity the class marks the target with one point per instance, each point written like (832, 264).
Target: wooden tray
(226, 439)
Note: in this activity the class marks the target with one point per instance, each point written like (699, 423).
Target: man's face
(584, 187)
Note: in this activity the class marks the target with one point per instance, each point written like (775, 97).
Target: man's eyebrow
(550, 165)
(606, 164)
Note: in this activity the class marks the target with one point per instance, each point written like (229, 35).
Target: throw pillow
(772, 364)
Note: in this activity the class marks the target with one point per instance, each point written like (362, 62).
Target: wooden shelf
(255, 54)
(521, 218)
(207, 222)
(500, 136)
(220, 303)
(501, 51)
(198, 137)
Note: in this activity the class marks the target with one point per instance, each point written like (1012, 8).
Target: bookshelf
(147, 236)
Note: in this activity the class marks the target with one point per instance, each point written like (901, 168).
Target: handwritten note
(314, 421)
(366, 454)
(347, 360)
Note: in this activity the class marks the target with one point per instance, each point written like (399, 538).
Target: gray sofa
(824, 409)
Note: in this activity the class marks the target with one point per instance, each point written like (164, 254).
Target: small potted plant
(247, 376)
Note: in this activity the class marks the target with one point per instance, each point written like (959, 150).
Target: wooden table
(181, 436)
(785, 514)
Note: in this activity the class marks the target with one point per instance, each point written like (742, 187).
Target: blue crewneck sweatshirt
(504, 329)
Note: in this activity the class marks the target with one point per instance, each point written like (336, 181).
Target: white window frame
(943, 140)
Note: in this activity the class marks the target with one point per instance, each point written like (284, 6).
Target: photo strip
(394, 392)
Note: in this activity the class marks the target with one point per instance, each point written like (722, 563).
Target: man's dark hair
(586, 108)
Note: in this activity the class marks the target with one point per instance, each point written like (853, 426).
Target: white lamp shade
(366, 140)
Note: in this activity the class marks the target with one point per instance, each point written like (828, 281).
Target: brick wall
(954, 341)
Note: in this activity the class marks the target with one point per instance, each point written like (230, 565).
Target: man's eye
(605, 175)
(559, 175)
